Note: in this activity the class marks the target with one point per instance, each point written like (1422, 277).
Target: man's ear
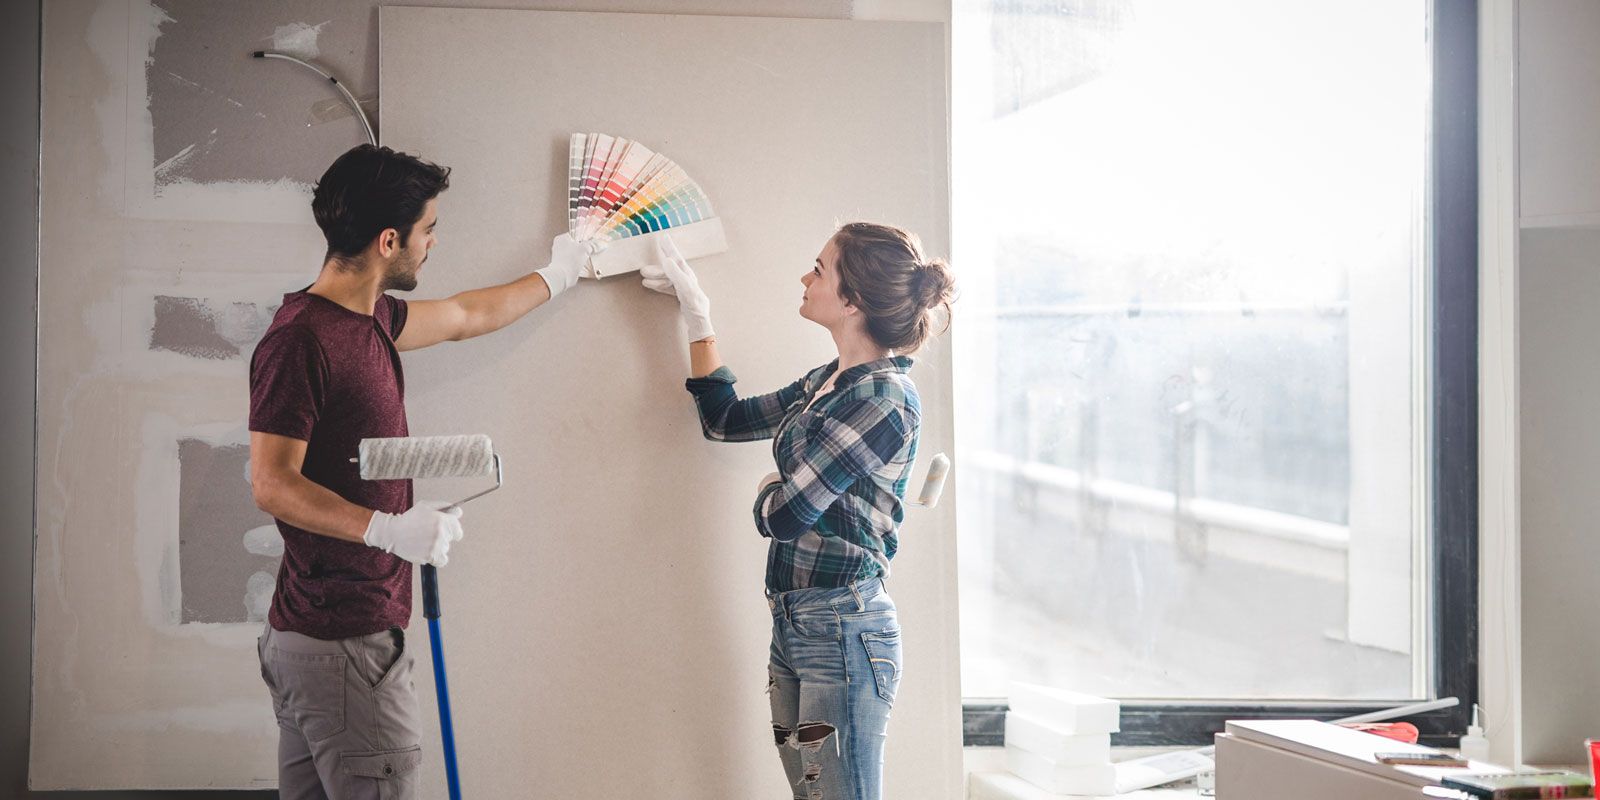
(388, 242)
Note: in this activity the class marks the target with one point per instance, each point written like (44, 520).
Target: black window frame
(1452, 194)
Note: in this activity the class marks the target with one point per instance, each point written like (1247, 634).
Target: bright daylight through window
(1192, 357)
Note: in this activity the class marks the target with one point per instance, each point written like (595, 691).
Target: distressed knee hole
(780, 735)
(814, 733)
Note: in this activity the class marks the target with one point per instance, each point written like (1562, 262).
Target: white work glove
(568, 256)
(673, 276)
(421, 535)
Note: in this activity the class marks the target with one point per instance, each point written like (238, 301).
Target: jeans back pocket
(883, 654)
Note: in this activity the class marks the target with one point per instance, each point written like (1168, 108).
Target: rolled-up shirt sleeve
(725, 417)
(853, 441)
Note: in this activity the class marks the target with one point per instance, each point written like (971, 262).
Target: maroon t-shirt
(331, 377)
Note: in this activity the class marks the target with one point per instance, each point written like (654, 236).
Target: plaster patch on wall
(218, 574)
(185, 323)
(258, 596)
(223, 119)
(264, 541)
(329, 109)
(298, 39)
(204, 329)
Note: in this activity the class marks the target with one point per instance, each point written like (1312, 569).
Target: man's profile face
(401, 273)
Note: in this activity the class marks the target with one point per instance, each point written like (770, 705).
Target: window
(1216, 369)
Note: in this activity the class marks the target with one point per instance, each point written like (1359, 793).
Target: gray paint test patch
(220, 579)
(202, 329)
(220, 115)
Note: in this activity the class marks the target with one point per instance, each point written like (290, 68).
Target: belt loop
(861, 605)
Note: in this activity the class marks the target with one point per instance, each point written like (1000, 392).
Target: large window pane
(1190, 360)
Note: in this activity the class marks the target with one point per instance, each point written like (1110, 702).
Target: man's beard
(402, 277)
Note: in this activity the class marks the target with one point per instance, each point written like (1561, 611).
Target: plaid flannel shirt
(844, 462)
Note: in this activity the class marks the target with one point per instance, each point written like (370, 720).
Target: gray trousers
(348, 724)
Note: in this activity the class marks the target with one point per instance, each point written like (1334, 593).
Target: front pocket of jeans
(313, 688)
(821, 624)
(883, 654)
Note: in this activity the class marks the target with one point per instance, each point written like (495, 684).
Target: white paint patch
(258, 596)
(156, 17)
(298, 39)
(264, 541)
(186, 82)
(244, 715)
(178, 160)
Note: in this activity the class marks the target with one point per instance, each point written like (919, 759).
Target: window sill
(987, 778)
(1005, 786)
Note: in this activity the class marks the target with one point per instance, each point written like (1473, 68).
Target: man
(326, 375)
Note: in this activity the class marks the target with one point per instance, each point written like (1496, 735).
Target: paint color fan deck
(623, 193)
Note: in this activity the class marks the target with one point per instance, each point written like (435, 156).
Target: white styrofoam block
(1094, 779)
(703, 238)
(1067, 712)
(1063, 747)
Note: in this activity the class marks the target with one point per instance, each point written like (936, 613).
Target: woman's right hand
(673, 276)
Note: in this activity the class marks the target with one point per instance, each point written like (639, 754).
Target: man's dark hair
(369, 189)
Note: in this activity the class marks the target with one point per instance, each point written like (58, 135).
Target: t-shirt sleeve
(397, 316)
(288, 383)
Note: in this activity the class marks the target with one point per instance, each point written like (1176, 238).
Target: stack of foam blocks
(1060, 741)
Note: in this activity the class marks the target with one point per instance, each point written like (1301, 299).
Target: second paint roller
(418, 457)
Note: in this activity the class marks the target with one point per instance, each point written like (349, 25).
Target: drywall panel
(1558, 291)
(612, 593)
(146, 575)
(151, 293)
(1558, 111)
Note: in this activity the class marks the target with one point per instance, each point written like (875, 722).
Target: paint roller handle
(430, 591)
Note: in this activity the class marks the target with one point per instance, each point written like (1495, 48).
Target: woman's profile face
(821, 302)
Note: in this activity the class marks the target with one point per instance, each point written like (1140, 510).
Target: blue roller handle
(430, 609)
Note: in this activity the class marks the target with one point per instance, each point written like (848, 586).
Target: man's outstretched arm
(480, 311)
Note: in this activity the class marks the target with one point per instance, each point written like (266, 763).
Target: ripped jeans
(835, 666)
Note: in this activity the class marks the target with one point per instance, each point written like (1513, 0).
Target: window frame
(1452, 193)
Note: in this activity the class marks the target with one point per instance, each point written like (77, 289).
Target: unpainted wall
(191, 165)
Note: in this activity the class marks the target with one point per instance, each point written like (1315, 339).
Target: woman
(846, 440)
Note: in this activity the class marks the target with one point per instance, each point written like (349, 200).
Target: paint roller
(421, 457)
(933, 483)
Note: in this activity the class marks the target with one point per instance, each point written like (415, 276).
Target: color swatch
(618, 189)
